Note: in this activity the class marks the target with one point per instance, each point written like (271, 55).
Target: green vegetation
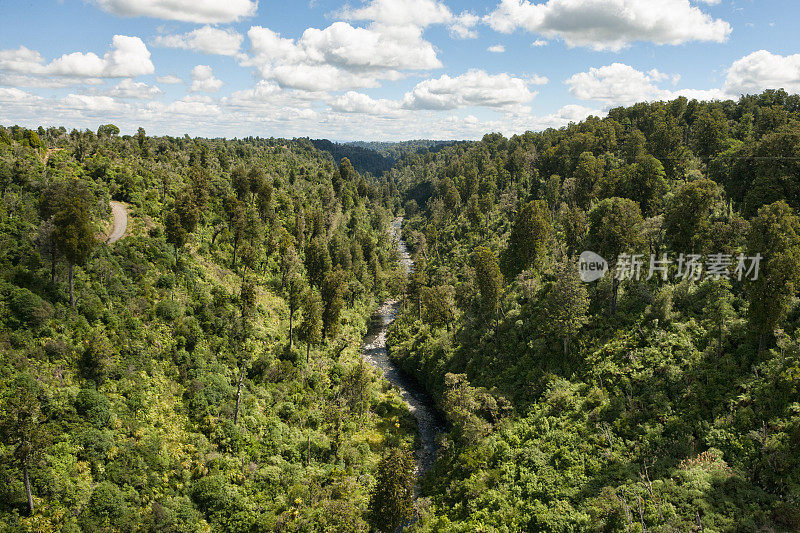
(204, 372)
(182, 382)
(650, 405)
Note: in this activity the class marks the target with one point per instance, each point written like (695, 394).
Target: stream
(374, 351)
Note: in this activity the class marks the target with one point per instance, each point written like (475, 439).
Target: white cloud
(401, 12)
(353, 102)
(208, 40)
(610, 24)
(762, 70)
(462, 26)
(128, 88)
(418, 13)
(497, 48)
(202, 106)
(340, 56)
(475, 88)
(17, 96)
(92, 103)
(318, 78)
(203, 80)
(535, 79)
(169, 79)
(621, 84)
(128, 57)
(539, 42)
(198, 11)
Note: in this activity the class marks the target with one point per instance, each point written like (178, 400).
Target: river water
(374, 351)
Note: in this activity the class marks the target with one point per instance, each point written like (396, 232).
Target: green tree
(310, 328)
(73, 231)
(174, 231)
(21, 425)
(613, 230)
(719, 309)
(567, 303)
(438, 305)
(390, 503)
(775, 235)
(294, 299)
(687, 216)
(107, 130)
(528, 240)
(489, 279)
(318, 261)
(333, 301)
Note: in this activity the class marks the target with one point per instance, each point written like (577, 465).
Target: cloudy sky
(379, 69)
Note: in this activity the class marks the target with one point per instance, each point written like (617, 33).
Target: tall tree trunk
(27, 481)
(719, 344)
(238, 396)
(566, 345)
(71, 286)
(308, 352)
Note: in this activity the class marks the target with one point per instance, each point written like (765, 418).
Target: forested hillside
(204, 372)
(661, 404)
(376, 157)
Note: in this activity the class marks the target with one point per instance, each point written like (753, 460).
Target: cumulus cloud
(198, 11)
(17, 96)
(128, 88)
(610, 24)
(497, 48)
(203, 80)
(92, 103)
(474, 88)
(762, 70)
(340, 56)
(207, 39)
(621, 84)
(354, 102)
(194, 105)
(128, 57)
(419, 13)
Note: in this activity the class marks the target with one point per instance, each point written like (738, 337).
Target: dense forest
(376, 157)
(661, 404)
(204, 372)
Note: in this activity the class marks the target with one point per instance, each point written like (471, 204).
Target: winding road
(120, 222)
(374, 351)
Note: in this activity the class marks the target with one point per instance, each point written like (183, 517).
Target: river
(429, 423)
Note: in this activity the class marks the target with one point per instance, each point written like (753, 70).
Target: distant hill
(377, 157)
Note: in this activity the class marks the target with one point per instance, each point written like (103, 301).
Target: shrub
(168, 310)
(94, 407)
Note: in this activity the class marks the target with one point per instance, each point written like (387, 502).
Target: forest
(205, 372)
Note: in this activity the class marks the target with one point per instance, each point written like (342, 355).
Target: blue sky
(379, 69)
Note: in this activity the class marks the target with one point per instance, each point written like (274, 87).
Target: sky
(379, 69)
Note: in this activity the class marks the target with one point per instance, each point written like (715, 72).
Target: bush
(94, 407)
(107, 501)
(29, 308)
(168, 310)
